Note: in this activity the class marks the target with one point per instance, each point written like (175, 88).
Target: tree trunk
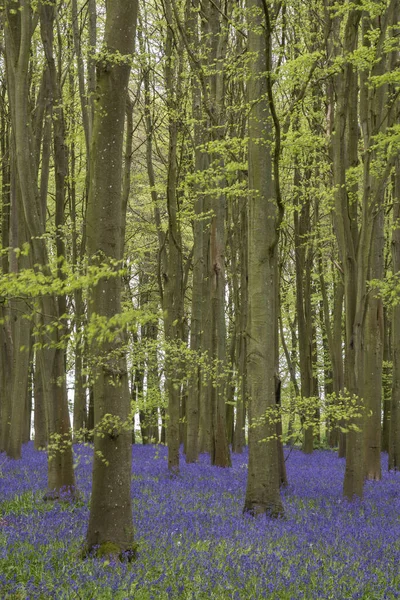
(239, 440)
(374, 358)
(173, 277)
(262, 492)
(6, 344)
(110, 530)
(21, 327)
(387, 377)
(394, 435)
(302, 229)
(40, 422)
(194, 387)
(347, 233)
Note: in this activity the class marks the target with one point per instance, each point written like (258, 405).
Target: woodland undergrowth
(194, 542)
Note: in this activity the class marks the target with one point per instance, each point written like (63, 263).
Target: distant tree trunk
(90, 421)
(86, 87)
(332, 331)
(374, 334)
(394, 435)
(387, 377)
(265, 211)
(6, 343)
(6, 352)
(110, 529)
(231, 388)
(149, 366)
(239, 440)
(80, 413)
(26, 431)
(21, 327)
(302, 224)
(40, 422)
(283, 481)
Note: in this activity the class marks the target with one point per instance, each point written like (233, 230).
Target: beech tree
(265, 215)
(110, 522)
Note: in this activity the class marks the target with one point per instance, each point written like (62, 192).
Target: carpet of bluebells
(194, 542)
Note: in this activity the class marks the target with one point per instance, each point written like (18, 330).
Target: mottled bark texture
(110, 522)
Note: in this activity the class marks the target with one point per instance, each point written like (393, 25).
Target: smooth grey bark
(265, 212)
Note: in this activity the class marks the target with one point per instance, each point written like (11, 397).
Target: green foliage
(345, 412)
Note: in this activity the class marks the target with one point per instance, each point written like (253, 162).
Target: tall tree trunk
(81, 420)
(302, 220)
(21, 330)
(239, 433)
(110, 527)
(373, 364)
(220, 455)
(265, 211)
(394, 435)
(6, 344)
(194, 387)
(173, 277)
(346, 232)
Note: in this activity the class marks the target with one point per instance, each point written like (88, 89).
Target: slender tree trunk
(262, 492)
(394, 435)
(303, 309)
(387, 377)
(239, 433)
(374, 341)
(194, 387)
(21, 326)
(6, 344)
(26, 430)
(40, 421)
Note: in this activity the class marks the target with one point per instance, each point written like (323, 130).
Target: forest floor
(194, 542)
